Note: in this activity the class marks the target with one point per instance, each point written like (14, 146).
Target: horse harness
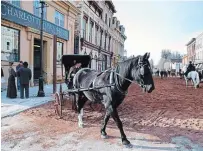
(114, 75)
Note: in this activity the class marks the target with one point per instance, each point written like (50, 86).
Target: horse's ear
(146, 55)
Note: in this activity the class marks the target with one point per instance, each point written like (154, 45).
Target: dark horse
(163, 74)
(136, 69)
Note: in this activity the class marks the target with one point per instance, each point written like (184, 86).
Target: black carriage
(69, 62)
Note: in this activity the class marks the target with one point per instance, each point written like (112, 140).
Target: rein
(131, 81)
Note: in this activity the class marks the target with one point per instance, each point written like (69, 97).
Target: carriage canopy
(68, 60)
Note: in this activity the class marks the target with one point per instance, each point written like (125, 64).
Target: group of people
(24, 75)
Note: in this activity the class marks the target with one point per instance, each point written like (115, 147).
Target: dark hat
(21, 61)
(25, 64)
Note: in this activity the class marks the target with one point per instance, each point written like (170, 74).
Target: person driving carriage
(73, 70)
(190, 67)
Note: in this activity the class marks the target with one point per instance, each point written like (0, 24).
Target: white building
(199, 49)
(99, 34)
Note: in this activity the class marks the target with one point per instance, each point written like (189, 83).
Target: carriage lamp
(41, 80)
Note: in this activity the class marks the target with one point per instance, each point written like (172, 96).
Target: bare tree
(176, 55)
(166, 54)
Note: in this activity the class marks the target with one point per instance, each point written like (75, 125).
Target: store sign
(14, 14)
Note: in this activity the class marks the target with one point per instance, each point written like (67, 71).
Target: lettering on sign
(24, 18)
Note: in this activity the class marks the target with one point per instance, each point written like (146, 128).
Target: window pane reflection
(59, 51)
(9, 44)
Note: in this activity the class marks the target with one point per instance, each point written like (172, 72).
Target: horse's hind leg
(80, 101)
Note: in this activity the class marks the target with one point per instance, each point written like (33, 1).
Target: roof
(192, 40)
(111, 5)
(68, 60)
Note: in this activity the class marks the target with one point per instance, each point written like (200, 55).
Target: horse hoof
(104, 136)
(125, 142)
(81, 125)
(128, 146)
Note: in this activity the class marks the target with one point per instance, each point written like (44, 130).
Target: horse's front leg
(80, 102)
(194, 83)
(116, 118)
(185, 81)
(103, 128)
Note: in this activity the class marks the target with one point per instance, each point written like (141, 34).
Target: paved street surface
(13, 106)
(170, 119)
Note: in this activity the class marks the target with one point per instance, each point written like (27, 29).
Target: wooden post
(54, 62)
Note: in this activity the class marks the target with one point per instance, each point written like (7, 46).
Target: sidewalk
(11, 107)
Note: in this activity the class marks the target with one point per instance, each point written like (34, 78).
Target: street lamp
(41, 80)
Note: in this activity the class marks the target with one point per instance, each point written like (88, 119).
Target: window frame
(109, 22)
(106, 19)
(96, 34)
(60, 17)
(91, 25)
(19, 33)
(84, 27)
(58, 61)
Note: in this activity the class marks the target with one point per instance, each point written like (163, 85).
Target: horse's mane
(130, 62)
(127, 65)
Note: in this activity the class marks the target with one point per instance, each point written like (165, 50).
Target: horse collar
(117, 83)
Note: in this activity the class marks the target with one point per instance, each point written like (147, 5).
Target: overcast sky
(155, 25)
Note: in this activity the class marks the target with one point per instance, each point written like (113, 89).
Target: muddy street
(170, 118)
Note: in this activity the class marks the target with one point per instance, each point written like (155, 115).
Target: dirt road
(170, 118)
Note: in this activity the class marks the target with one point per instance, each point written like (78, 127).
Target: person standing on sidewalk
(2, 80)
(11, 90)
(20, 65)
(25, 75)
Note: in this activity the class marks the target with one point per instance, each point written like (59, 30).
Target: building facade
(99, 34)
(191, 49)
(185, 60)
(20, 34)
(199, 49)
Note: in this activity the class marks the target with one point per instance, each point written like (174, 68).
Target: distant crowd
(23, 74)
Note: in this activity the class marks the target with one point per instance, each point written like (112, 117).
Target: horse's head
(141, 73)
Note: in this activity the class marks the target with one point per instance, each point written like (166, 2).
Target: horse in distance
(193, 76)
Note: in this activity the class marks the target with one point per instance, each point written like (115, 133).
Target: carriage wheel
(58, 105)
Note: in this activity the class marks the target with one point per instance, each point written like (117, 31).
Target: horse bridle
(140, 65)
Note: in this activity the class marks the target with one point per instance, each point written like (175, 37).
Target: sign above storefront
(24, 18)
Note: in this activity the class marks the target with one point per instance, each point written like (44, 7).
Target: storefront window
(59, 51)
(10, 47)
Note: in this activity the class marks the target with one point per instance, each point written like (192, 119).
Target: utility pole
(41, 80)
(54, 63)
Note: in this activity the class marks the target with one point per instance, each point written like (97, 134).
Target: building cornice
(69, 7)
(98, 48)
(110, 3)
(191, 41)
